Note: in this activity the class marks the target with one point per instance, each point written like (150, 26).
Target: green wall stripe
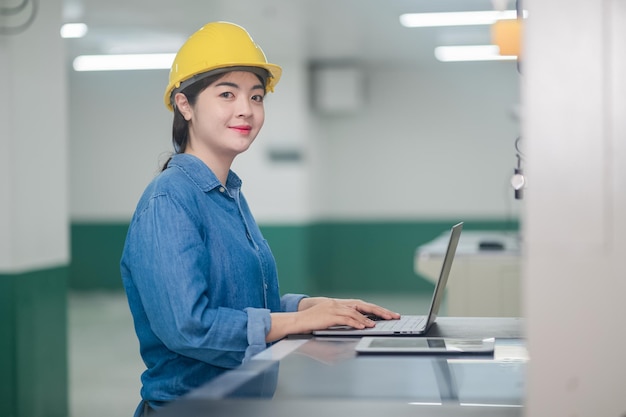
(291, 247)
(33, 351)
(8, 370)
(317, 258)
(95, 252)
(377, 256)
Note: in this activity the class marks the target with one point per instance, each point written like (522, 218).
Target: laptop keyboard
(405, 323)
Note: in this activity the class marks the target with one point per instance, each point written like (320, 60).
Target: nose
(244, 107)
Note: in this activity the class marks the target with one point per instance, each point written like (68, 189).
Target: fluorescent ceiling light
(73, 30)
(471, 53)
(414, 20)
(123, 62)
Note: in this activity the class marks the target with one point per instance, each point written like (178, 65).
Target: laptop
(408, 325)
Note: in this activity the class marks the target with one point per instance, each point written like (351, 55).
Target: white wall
(435, 143)
(427, 144)
(120, 134)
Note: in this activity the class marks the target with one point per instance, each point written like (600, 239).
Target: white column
(33, 143)
(574, 107)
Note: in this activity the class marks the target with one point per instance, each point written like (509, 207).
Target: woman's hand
(359, 305)
(321, 313)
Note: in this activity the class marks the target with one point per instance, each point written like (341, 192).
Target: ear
(183, 106)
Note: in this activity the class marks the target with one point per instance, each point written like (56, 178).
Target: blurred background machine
(485, 277)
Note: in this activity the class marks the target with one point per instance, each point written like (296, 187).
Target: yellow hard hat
(216, 46)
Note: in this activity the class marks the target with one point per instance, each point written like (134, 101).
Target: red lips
(242, 128)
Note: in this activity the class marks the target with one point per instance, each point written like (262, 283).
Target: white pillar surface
(33, 144)
(574, 107)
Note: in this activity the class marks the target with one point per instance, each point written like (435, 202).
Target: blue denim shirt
(200, 278)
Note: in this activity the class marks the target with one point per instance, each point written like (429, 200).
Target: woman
(201, 280)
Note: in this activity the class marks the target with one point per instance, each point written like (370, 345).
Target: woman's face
(227, 116)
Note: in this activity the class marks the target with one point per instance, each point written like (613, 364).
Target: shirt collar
(201, 174)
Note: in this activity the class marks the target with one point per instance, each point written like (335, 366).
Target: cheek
(211, 115)
(260, 117)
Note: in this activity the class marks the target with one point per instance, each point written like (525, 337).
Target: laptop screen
(443, 275)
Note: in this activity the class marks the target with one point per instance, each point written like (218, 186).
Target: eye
(227, 94)
(258, 98)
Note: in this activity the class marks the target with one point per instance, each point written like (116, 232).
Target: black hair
(180, 126)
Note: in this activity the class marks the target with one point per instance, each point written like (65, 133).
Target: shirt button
(248, 236)
(222, 189)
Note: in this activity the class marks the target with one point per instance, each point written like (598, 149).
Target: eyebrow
(229, 84)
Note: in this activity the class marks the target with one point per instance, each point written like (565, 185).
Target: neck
(219, 166)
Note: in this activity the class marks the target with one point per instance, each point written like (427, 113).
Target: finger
(379, 311)
(386, 313)
(356, 319)
(360, 323)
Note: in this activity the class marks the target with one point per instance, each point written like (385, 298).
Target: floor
(104, 361)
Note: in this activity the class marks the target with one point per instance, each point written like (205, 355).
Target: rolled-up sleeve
(259, 324)
(289, 302)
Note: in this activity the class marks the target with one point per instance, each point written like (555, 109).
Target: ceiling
(367, 31)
